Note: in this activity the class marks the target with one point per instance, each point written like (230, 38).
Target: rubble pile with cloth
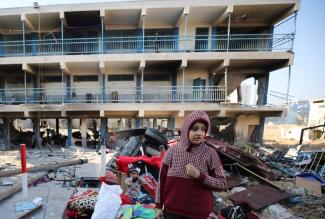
(254, 187)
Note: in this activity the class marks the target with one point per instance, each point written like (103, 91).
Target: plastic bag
(108, 202)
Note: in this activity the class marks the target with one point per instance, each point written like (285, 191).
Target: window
(52, 79)
(156, 77)
(84, 78)
(120, 77)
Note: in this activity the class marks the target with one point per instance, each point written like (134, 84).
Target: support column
(83, 130)
(174, 84)
(185, 33)
(6, 133)
(24, 40)
(3, 89)
(36, 130)
(262, 89)
(68, 88)
(102, 32)
(34, 85)
(62, 36)
(137, 122)
(57, 126)
(102, 87)
(143, 26)
(62, 84)
(171, 123)
(228, 31)
(138, 87)
(154, 122)
(103, 129)
(183, 84)
(69, 127)
(226, 84)
(142, 75)
(25, 85)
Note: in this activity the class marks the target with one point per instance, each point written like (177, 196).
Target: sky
(308, 71)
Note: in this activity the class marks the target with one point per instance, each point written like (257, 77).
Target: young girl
(190, 171)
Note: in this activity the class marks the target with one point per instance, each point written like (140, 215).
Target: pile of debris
(263, 184)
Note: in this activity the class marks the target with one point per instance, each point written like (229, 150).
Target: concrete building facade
(143, 62)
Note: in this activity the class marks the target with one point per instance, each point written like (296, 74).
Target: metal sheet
(232, 181)
(259, 196)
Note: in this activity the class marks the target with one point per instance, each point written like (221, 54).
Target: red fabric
(150, 185)
(110, 177)
(126, 200)
(123, 162)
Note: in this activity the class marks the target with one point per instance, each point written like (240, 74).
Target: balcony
(148, 44)
(113, 95)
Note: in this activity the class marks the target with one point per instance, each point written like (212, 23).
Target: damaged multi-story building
(143, 63)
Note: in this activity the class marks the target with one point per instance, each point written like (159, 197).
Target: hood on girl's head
(195, 116)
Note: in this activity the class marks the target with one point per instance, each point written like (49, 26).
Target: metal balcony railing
(148, 44)
(113, 95)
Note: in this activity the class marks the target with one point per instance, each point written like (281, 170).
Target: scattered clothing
(137, 211)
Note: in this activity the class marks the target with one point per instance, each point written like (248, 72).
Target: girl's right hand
(160, 214)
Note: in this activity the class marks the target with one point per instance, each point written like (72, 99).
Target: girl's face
(197, 133)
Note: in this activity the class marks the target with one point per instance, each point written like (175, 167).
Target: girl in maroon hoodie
(190, 171)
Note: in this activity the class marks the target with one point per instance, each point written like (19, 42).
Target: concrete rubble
(57, 186)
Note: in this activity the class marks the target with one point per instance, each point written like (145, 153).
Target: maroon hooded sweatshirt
(181, 194)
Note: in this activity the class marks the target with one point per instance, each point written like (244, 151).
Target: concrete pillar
(83, 130)
(69, 127)
(179, 122)
(34, 84)
(68, 88)
(154, 122)
(3, 89)
(24, 40)
(171, 123)
(103, 129)
(137, 122)
(62, 34)
(239, 94)
(174, 83)
(138, 87)
(262, 89)
(102, 33)
(6, 133)
(57, 126)
(36, 130)
(103, 78)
